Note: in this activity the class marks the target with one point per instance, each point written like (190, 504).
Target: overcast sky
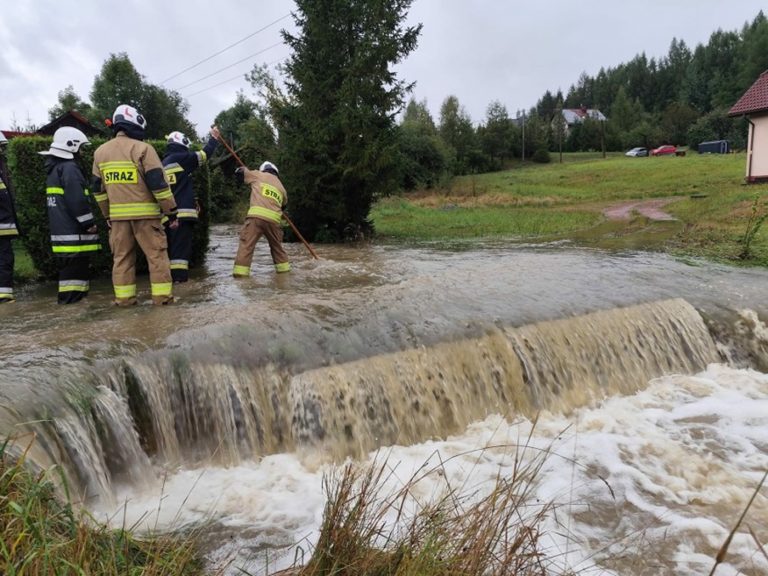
(478, 50)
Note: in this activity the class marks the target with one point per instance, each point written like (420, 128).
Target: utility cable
(251, 35)
(226, 81)
(214, 86)
(275, 45)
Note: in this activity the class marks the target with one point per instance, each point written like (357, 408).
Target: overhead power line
(251, 35)
(275, 45)
(239, 76)
(215, 85)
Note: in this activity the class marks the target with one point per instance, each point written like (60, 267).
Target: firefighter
(8, 227)
(179, 163)
(74, 236)
(268, 199)
(129, 185)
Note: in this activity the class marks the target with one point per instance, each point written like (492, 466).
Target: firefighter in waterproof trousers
(268, 199)
(74, 236)
(8, 227)
(129, 185)
(179, 163)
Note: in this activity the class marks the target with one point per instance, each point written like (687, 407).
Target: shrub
(423, 159)
(716, 125)
(541, 156)
(224, 196)
(28, 173)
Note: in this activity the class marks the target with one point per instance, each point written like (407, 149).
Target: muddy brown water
(358, 301)
(371, 345)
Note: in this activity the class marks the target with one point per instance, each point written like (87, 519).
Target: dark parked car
(715, 147)
(639, 151)
(665, 150)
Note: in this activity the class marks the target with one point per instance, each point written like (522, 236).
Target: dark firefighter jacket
(179, 163)
(69, 212)
(8, 227)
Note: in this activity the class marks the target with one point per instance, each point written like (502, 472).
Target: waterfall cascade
(105, 423)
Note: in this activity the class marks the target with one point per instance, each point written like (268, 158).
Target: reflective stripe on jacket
(129, 182)
(69, 211)
(179, 164)
(268, 196)
(7, 213)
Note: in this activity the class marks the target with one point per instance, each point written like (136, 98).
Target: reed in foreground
(369, 531)
(40, 534)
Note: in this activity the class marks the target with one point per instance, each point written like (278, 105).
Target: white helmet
(3, 139)
(125, 114)
(66, 143)
(178, 138)
(268, 167)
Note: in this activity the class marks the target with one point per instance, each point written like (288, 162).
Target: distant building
(74, 119)
(573, 116)
(11, 134)
(754, 105)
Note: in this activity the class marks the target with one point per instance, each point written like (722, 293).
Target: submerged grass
(713, 207)
(40, 534)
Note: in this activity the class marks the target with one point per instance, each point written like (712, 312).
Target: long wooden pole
(293, 227)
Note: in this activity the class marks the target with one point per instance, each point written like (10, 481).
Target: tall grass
(757, 217)
(369, 531)
(40, 535)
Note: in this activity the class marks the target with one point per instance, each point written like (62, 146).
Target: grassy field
(555, 201)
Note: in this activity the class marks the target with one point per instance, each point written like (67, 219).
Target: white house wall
(757, 159)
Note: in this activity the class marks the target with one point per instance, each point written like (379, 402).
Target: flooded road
(363, 300)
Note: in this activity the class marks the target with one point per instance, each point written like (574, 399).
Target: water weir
(111, 422)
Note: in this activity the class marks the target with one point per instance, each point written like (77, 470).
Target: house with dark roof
(754, 106)
(72, 118)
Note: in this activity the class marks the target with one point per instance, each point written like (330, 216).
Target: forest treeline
(681, 98)
(344, 133)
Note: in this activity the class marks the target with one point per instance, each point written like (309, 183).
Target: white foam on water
(645, 484)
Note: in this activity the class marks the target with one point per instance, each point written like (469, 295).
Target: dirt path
(651, 209)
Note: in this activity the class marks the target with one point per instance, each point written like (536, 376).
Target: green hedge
(28, 174)
(224, 196)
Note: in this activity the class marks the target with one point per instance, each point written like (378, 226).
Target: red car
(664, 150)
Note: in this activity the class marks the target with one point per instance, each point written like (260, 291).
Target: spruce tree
(336, 123)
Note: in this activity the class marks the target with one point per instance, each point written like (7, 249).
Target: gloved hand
(170, 221)
(240, 175)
